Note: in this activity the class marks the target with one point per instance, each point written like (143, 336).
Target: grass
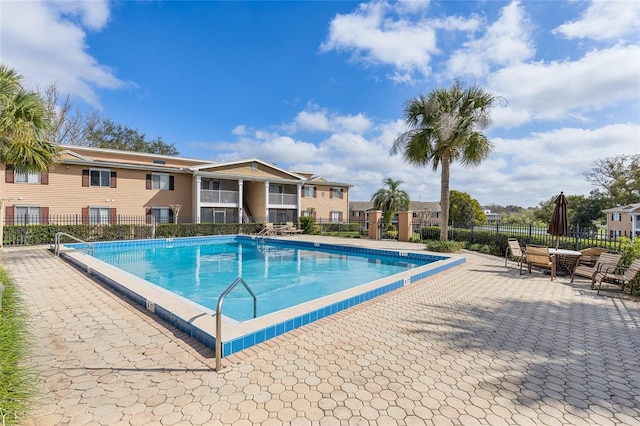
(17, 384)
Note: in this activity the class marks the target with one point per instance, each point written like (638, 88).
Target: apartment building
(623, 220)
(105, 186)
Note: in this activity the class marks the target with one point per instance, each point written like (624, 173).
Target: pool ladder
(56, 249)
(218, 348)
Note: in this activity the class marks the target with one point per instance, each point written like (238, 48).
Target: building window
(27, 215)
(100, 177)
(24, 176)
(616, 217)
(309, 191)
(98, 215)
(355, 213)
(336, 193)
(335, 216)
(162, 214)
(211, 184)
(276, 189)
(159, 181)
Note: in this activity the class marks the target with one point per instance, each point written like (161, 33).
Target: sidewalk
(477, 344)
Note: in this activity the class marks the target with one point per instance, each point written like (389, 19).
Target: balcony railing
(283, 199)
(223, 197)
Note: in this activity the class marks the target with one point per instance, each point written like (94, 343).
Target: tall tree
(464, 209)
(390, 199)
(70, 126)
(618, 177)
(107, 134)
(443, 127)
(24, 123)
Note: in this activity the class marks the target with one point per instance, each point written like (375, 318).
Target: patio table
(566, 259)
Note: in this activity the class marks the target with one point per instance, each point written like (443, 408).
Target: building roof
(629, 208)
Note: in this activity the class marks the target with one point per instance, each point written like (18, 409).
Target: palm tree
(444, 127)
(24, 122)
(390, 199)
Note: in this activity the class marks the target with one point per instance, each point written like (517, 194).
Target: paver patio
(477, 344)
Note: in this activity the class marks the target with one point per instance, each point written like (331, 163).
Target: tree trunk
(444, 199)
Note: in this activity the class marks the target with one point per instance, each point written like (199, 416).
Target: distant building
(492, 217)
(624, 220)
(425, 212)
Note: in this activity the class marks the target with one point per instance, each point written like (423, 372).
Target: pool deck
(476, 344)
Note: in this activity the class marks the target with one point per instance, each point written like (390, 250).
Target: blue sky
(321, 85)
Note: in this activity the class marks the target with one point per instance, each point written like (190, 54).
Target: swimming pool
(198, 321)
(280, 275)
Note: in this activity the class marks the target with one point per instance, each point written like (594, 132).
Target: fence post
(530, 232)
(577, 237)
(497, 234)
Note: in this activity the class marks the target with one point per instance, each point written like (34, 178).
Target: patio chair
(620, 275)
(513, 249)
(590, 255)
(608, 259)
(291, 229)
(539, 257)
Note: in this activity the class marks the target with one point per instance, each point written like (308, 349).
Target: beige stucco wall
(254, 194)
(65, 195)
(262, 171)
(624, 225)
(324, 204)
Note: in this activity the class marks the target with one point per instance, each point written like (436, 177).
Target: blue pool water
(281, 275)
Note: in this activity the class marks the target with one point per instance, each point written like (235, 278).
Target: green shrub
(17, 382)
(391, 228)
(444, 246)
(308, 225)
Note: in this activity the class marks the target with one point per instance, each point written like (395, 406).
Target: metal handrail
(57, 242)
(219, 317)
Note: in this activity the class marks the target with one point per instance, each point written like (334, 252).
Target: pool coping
(199, 322)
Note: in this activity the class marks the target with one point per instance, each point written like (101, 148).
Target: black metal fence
(32, 230)
(576, 239)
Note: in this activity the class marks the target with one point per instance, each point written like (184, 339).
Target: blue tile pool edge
(253, 338)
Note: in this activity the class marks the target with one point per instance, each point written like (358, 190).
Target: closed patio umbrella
(558, 226)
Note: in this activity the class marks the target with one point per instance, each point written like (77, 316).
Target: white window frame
(26, 176)
(616, 217)
(335, 216)
(32, 214)
(99, 215)
(160, 181)
(336, 193)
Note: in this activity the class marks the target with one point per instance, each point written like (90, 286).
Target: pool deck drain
(476, 344)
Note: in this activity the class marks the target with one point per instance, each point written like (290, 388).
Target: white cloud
(239, 130)
(372, 37)
(604, 20)
(320, 120)
(45, 42)
(506, 42)
(552, 90)
(313, 121)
